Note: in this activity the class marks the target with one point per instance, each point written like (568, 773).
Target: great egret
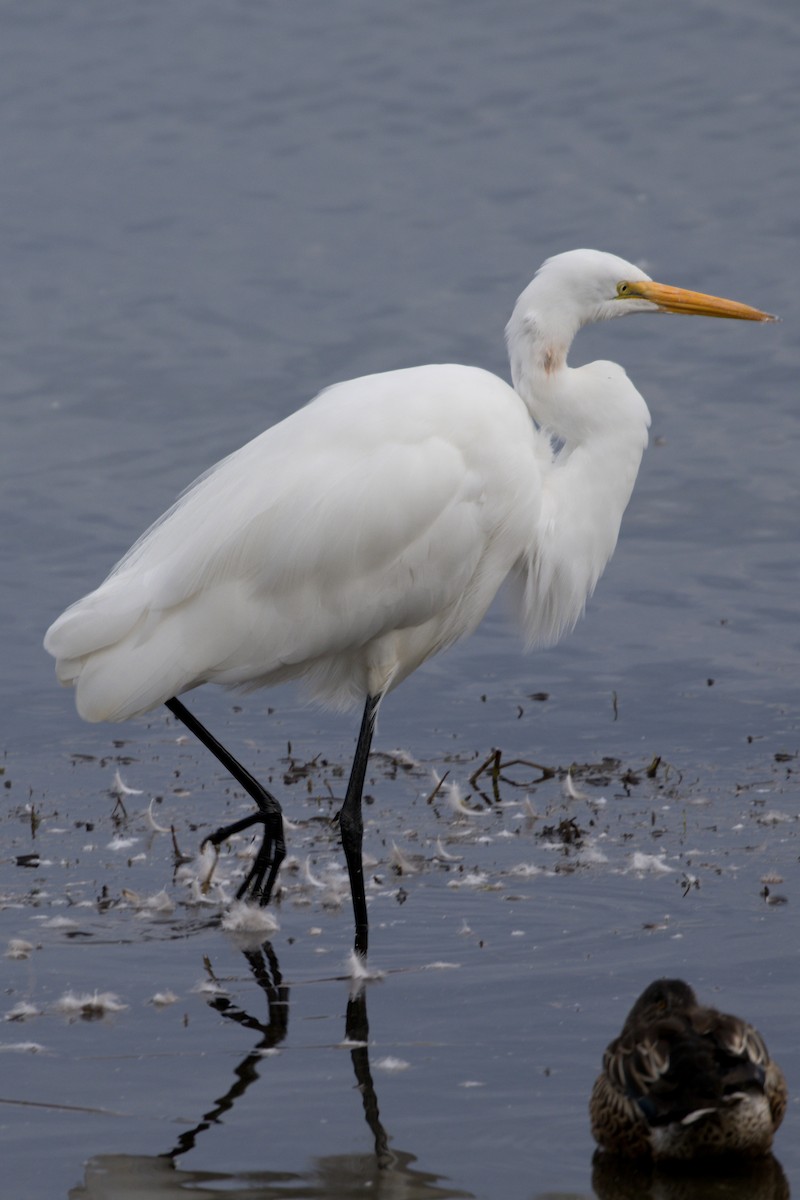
(372, 528)
(683, 1081)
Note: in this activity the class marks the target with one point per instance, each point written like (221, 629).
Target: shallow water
(209, 213)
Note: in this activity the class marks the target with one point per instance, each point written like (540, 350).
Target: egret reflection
(387, 1173)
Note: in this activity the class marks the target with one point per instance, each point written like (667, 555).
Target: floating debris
(400, 863)
(119, 788)
(526, 870)
(122, 843)
(333, 884)
(160, 902)
(569, 789)
(19, 948)
(649, 862)
(209, 987)
(249, 918)
(566, 833)
(203, 878)
(592, 855)
(163, 999)
(391, 1064)
(397, 758)
(359, 972)
(474, 879)
(775, 817)
(444, 855)
(438, 781)
(154, 825)
(458, 802)
(31, 860)
(22, 1011)
(90, 1006)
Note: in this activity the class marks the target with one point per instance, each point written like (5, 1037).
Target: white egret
(372, 528)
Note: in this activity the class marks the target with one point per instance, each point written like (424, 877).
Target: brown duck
(686, 1082)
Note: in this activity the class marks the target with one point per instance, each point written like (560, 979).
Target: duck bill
(679, 300)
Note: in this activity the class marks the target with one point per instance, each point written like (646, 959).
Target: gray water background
(208, 211)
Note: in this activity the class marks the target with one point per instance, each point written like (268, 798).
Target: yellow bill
(679, 300)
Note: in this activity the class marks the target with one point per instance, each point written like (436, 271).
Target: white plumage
(345, 545)
(372, 528)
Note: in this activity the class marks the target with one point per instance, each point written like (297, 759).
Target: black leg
(352, 825)
(357, 1030)
(272, 851)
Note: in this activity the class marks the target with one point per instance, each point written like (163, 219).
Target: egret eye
(623, 289)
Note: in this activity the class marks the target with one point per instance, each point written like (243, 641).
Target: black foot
(271, 853)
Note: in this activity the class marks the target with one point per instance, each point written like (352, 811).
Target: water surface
(208, 213)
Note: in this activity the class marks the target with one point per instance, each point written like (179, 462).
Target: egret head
(568, 291)
(582, 286)
(597, 286)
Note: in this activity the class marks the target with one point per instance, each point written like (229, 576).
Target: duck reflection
(388, 1174)
(614, 1178)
